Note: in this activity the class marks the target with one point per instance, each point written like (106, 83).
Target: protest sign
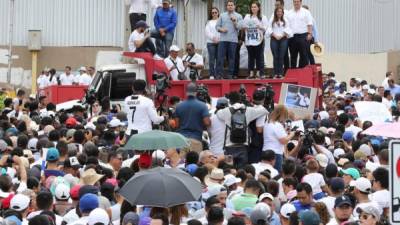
(376, 112)
(298, 99)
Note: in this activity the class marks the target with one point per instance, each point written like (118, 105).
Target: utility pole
(10, 39)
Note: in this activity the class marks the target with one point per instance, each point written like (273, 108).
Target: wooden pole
(34, 71)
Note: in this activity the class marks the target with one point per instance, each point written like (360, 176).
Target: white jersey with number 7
(141, 113)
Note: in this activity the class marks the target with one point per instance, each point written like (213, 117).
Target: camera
(202, 93)
(162, 82)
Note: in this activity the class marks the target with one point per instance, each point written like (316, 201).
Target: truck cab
(115, 81)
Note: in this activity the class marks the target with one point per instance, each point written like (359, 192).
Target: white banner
(375, 112)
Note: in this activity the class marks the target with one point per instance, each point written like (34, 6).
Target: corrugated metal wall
(66, 22)
(356, 26)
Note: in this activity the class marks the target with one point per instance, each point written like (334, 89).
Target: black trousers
(147, 46)
(136, 17)
(310, 55)
(298, 45)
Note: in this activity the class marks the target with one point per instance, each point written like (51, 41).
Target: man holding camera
(193, 62)
(140, 41)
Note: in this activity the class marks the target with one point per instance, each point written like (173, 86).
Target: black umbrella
(161, 187)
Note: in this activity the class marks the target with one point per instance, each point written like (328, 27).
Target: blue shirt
(56, 173)
(275, 219)
(300, 207)
(165, 18)
(190, 114)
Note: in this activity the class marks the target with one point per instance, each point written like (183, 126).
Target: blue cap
(52, 154)
(342, 200)
(191, 168)
(309, 217)
(375, 141)
(88, 202)
(347, 136)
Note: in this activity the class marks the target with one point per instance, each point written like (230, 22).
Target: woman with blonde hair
(275, 134)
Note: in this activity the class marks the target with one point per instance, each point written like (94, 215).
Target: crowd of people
(253, 167)
(290, 31)
(49, 77)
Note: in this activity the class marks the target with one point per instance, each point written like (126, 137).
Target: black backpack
(238, 127)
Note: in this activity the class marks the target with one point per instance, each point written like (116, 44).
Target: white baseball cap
(362, 184)
(265, 195)
(365, 87)
(174, 48)
(322, 160)
(287, 209)
(231, 180)
(115, 123)
(62, 192)
(98, 216)
(20, 202)
(158, 154)
(338, 152)
(366, 149)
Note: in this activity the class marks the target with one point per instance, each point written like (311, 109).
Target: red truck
(115, 81)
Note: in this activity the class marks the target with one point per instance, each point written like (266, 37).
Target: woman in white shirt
(280, 32)
(212, 36)
(275, 135)
(255, 26)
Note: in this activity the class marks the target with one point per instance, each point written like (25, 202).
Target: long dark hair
(259, 10)
(210, 16)
(276, 20)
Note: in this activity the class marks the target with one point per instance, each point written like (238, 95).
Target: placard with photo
(299, 99)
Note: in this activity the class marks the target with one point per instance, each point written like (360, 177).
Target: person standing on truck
(91, 71)
(141, 112)
(192, 117)
(165, 22)
(43, 79)
(83, 78)
(67, 78)
(193, 62)
(174, 64)
(228, 25)
(140, 41)
(300, 21)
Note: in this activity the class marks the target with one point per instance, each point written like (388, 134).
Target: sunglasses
(214, 12)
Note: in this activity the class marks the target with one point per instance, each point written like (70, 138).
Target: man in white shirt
(336, 187)
(140, 41)
(43, 79)
(380, 185)
(239, 151)
(385, 82)
(67, 78)
(193, 62)
(83, 78)
(300, 21)
(362, 188)
(217, 129)
(141, 112)
(174, 64)
(267, 163)
(387, 99)
(304, 100)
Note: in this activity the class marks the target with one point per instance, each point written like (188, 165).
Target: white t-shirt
(141, 113)
(273, 131)
(67, 79)
(329, 201)
(299, 20)
(83, 79)
(216, 133)
(355, 130)
(254, 36)
(265, 166)
(169, 64)
(279, 29)
(382, 197)
(316, 181)
(325, 151)
(197, 58)
(43, 81)
(142, 6)
(304, 101)
(211, 32)
(252, 113)
(135, 36)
